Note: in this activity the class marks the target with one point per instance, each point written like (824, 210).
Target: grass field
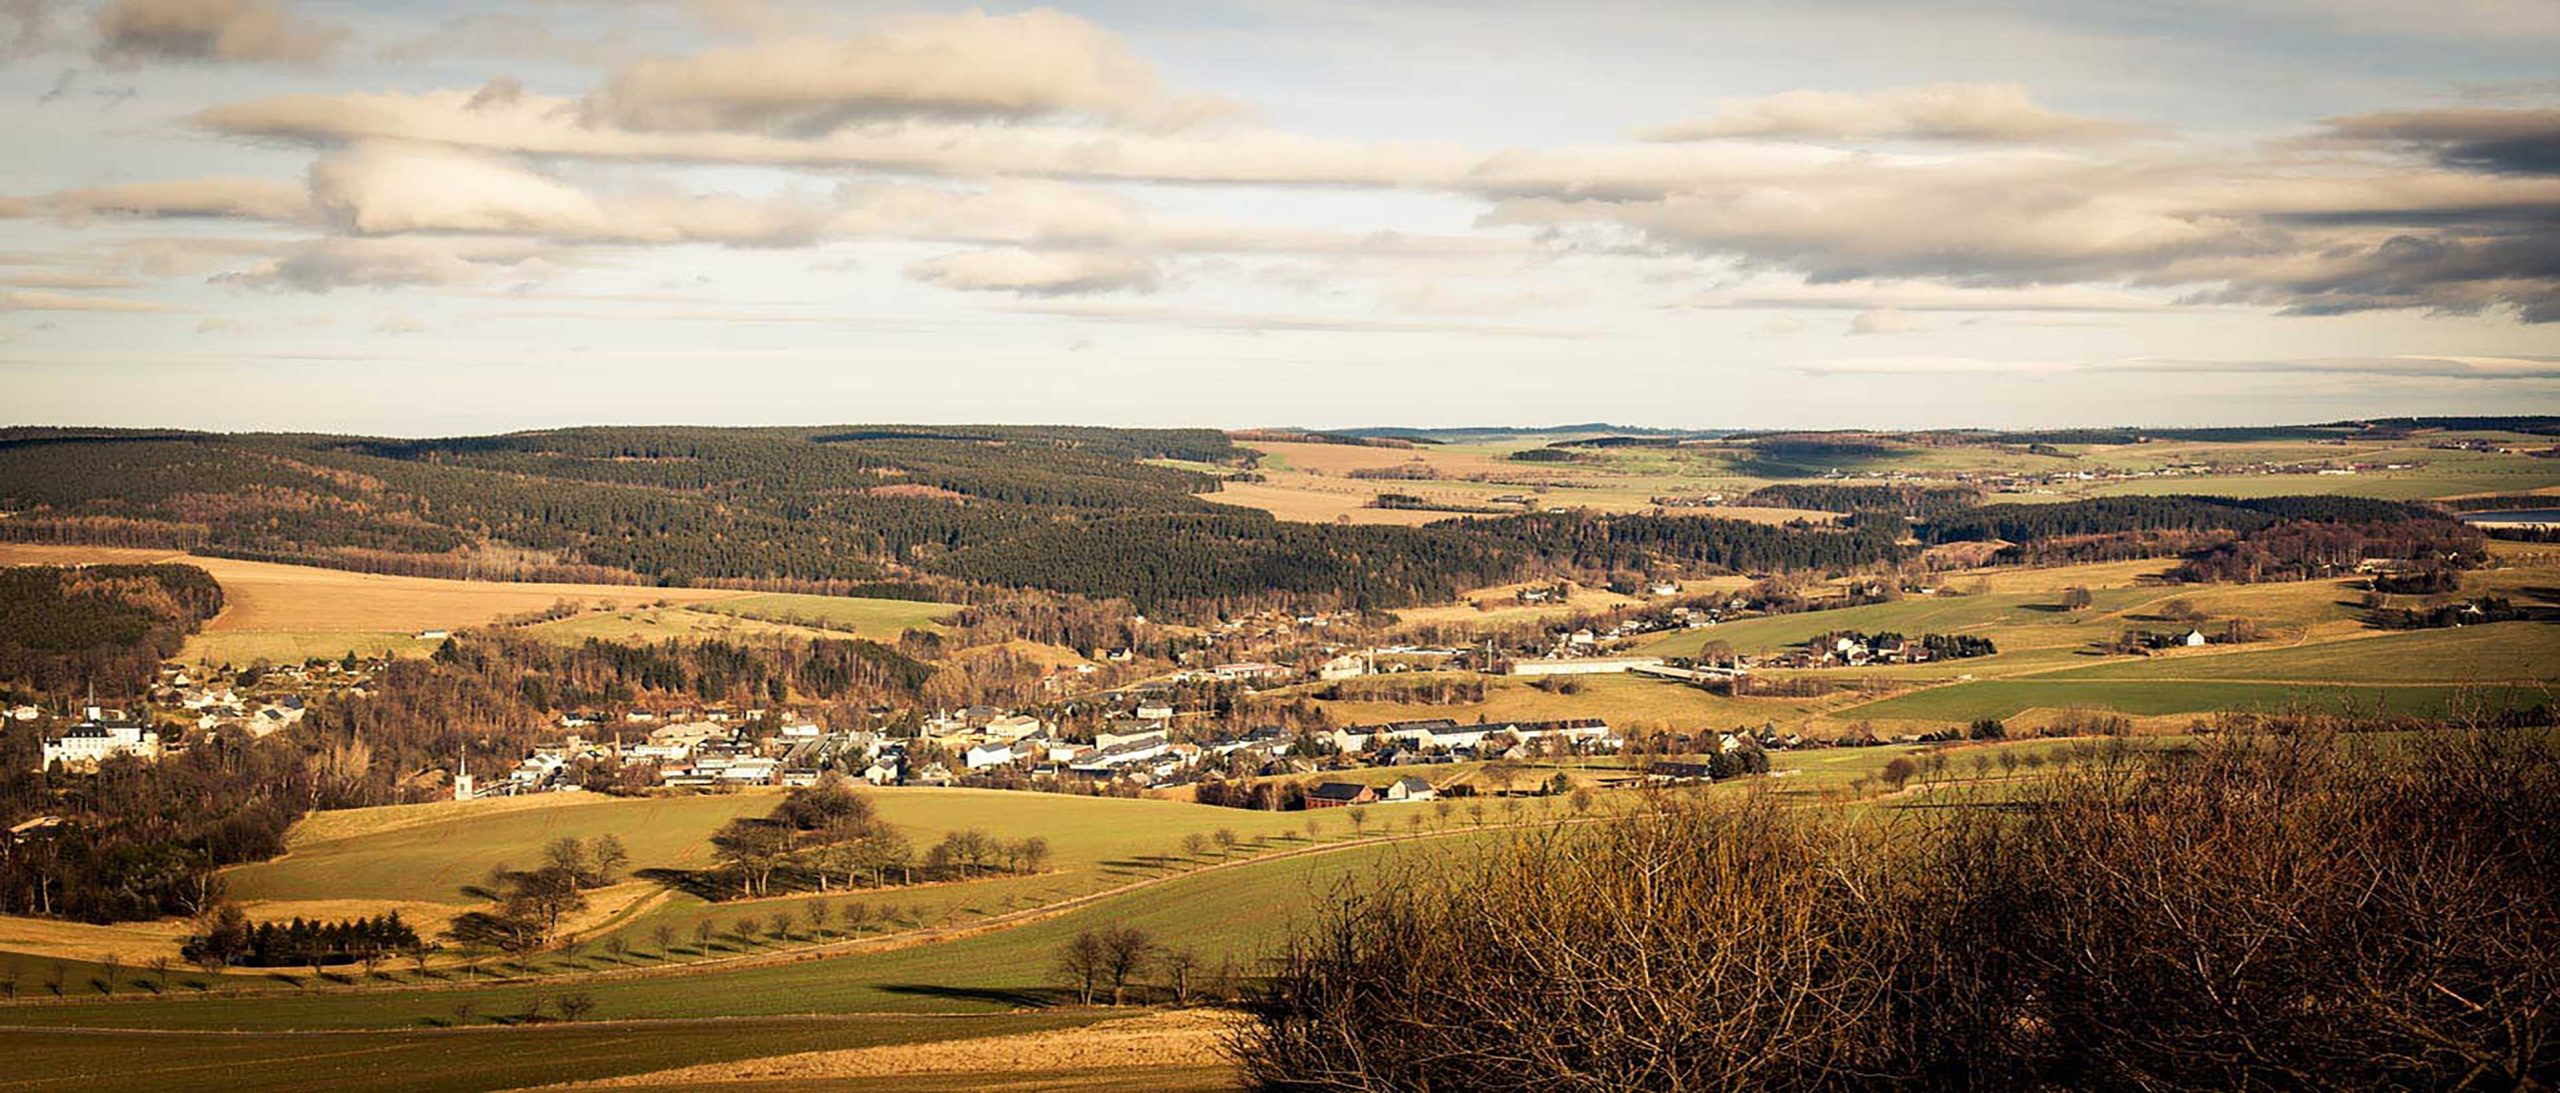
(879, 620)
(2497, 653)
(1240, 912)
(2005, 698)
(1626, 700)
(1502, 605)
(652, 624)
(288, 613)
(384, 854)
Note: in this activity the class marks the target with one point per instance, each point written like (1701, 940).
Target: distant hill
(1480, 433)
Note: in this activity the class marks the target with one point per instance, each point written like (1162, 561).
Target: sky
(438, 218)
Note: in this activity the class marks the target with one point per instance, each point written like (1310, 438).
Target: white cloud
(1037, 273)
(1921, 296)
(1987, 112)
(242, 198)
(56, 301)
(64, 279)
(392, 189)
(1885, 320)
(1031, 64)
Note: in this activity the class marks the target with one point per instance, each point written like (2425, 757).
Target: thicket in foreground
(2251, 913)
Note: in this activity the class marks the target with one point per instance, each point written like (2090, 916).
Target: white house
(1346, 666)
(1126, 753)
(989, 754)
(754, 772)
(1410, 789)
(2194, 639)
(1015, 726)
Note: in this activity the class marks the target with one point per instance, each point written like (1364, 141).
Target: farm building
(1340, 794)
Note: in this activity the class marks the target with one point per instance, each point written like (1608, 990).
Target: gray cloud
(2519, 140)
(243, 31)
(324, 265)
(26, 27)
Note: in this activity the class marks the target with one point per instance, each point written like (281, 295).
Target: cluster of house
(1851, 651)
(1400, 742)
(208, 703)
(690, 753)
(2032, 483)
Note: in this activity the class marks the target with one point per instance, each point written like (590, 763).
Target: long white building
(97, 737)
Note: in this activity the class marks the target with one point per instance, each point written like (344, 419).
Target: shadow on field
(706, 886)
(1146, 862)
(1030, 996)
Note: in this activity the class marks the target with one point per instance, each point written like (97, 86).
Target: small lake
(2513, 516)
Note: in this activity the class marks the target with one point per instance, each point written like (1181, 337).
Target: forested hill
(648, 504)
(879, 509)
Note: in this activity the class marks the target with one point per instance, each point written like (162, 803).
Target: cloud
(2473, 368)
(1037, 273)
(56, 301)
(2483, 368)
(1033, 64)
(1921, 296)
(2316, 237)
(1930, 366)
(395, 189)
(1255, 322)
(399, 322)
(326, 264)
(26, 27)
(1885, 320)
(242, 31)
(67, 280)
(241, 198)
(550, 126)
(2516, 140)
(1982, 112)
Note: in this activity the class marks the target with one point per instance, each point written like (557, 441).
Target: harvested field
(1178, 1038)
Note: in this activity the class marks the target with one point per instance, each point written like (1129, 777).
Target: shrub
(2247, 912)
